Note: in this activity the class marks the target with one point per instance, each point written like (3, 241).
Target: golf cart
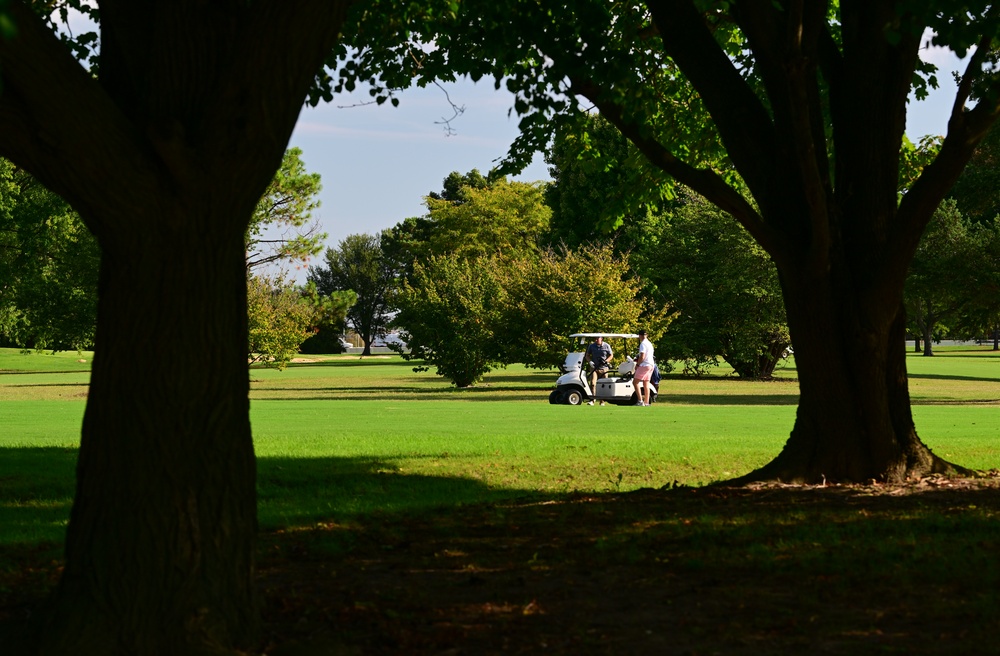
(573, 386)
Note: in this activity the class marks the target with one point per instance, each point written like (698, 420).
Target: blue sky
(378, 162)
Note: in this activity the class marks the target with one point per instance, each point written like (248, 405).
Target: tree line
(498, 272)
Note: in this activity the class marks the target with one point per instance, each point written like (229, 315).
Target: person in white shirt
(643, 369)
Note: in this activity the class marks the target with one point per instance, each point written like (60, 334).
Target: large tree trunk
(854, 421)
(164, 157)
(160, 547)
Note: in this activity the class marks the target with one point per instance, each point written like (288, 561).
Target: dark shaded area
(36, 489)
(770, 570)
(947, 377)
(299, 492)
(688, 571)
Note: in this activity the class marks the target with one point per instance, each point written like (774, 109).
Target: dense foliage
(724, 288)
(49, 265)
(280, 319)
(481, 291)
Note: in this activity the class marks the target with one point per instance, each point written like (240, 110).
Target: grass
(476, 517)
(340, 436)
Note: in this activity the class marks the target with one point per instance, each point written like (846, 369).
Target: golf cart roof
(624, 335)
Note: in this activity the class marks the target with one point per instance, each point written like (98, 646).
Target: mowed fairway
(342, 436)
(401, 516)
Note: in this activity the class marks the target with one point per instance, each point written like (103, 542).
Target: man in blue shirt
(599, 354)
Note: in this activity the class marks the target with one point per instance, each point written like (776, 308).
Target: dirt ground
(771, 570)
(684, 571)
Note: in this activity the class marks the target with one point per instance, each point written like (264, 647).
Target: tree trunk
(996, 339)
(916, 345)
(760, 368)
(160, 545)
(164, 157)
(853, 422)
(928, 324)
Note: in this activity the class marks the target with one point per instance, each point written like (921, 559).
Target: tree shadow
(380, 561)
(301, 491)
(36, 492)
(80, 384)
(37, 485)
(403, 393)
(976, 379)
(690, 570)
(726, 399)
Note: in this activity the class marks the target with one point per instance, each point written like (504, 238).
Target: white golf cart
(573, 386)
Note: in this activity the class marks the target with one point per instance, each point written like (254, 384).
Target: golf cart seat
(626, 367)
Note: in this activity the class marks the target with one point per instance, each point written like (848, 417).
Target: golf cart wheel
(573, 397)
(554, 397)
(635, 398)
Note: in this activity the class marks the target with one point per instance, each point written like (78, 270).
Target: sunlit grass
(343, 436)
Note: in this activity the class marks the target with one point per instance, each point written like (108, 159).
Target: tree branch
(743, 123)
(703, 181)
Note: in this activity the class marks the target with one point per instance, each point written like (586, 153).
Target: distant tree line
(498, 272)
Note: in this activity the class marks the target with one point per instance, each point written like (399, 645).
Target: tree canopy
(723, 287)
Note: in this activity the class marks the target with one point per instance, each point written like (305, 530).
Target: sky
(378, 162)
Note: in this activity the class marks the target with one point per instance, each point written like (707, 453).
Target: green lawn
(342, 436)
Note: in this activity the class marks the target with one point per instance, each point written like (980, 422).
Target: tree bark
(853, 421)
(160, 546)
(165, 157)
(929, 321)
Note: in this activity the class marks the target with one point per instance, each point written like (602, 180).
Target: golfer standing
(643, 369)
(599, 354)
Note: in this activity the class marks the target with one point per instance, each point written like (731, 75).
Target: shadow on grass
(302, 491)
(403, 393)
(772, 571)
(37, 487)
(36, 491)
(375, 360)
(781, 570)
(970, 352)
(727, 399)
(979, 379)
(80, 384)
(41, 372)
